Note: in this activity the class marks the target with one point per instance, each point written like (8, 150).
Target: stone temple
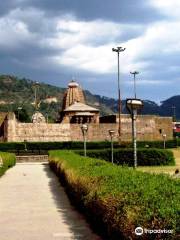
(75, 111)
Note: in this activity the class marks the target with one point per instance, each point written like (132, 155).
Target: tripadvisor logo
(139, 231)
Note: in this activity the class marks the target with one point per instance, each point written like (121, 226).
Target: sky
(54, 41)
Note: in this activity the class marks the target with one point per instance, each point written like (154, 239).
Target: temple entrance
(81, 119)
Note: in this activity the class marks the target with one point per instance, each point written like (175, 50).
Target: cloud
(124, 11)
(47, 39)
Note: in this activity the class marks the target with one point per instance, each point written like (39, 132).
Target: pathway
(33, 206)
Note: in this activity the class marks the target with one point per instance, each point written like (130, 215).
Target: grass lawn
(165, 169)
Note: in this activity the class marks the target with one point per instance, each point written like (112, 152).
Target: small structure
(37, 117)
(74, 109)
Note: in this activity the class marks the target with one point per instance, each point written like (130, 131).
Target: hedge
(118, 199)
(145, 157)
(8, 160)
(45, 146)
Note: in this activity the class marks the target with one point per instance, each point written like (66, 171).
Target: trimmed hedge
(145, 157)
(117, 199)
(8, 160)
(45, 146)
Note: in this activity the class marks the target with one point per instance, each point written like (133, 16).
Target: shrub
(118, 199)
(8, 160)
(46, 146)
(145, 157)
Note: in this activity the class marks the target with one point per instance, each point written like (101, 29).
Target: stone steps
(32, 158)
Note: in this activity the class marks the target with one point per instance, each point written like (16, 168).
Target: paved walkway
(33, 206)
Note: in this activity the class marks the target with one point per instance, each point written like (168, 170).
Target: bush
(118, 199)
(46, 146)
(8, 160)
(32, 146)
(145, 157)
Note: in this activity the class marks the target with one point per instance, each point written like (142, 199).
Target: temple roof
(73, 94)
(80, 107)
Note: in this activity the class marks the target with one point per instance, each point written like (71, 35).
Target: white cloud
(87, 45)
(168, 7)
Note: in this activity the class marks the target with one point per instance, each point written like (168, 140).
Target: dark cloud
(129, 11)
(32, 56)
(116, 10)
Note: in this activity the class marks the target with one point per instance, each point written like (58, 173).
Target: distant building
(50, 100)
(75, 112)
(75, 109)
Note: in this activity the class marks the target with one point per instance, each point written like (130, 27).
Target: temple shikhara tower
(75, 109)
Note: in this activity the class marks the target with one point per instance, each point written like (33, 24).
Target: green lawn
(165, 169)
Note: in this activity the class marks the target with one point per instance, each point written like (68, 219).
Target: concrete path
(33, 206)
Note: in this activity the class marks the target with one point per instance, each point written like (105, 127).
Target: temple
(74, 107)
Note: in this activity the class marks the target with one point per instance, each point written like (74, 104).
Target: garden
(116, 198)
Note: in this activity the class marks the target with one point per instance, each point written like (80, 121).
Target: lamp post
(177, 141)
(36, 85)
(134, 74)
(164, 140)
(47, 117)
(19, 109)
(84, 129)
(174, 113)
(111, 134)
(133, 105)
(118, 50)
(25, 145)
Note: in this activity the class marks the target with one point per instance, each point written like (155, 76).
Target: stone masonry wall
(36, 132)
(148, 128)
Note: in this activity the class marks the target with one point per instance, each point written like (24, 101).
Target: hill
(18, 95)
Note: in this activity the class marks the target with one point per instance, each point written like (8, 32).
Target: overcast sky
(54, 41)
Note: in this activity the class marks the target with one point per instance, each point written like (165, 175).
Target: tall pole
(134, 74)
(85, 144)
(118, 50)
(174, 113)
(35, 95)
(134, 137)
(112, 157)
(84, 129)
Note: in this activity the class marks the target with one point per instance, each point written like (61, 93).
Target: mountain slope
(18, 95)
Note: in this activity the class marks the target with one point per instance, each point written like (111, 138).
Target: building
(75, 109)
(75, 112)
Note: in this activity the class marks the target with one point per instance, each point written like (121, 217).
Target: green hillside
(18, 95)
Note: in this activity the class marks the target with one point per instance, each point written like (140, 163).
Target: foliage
(145, 157)
(8, 160)
(15, 146)
(22, 115)
(19, 92)
(118, 199)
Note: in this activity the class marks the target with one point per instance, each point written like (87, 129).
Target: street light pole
(133, 105)
(84, 129)
(164, 140)
(19, 109)
(174, 113)
(35, 95)
(111, 133)
(134, 74)
(118, 50)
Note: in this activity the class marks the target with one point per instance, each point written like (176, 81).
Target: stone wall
(148, 128)
(36, 132)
